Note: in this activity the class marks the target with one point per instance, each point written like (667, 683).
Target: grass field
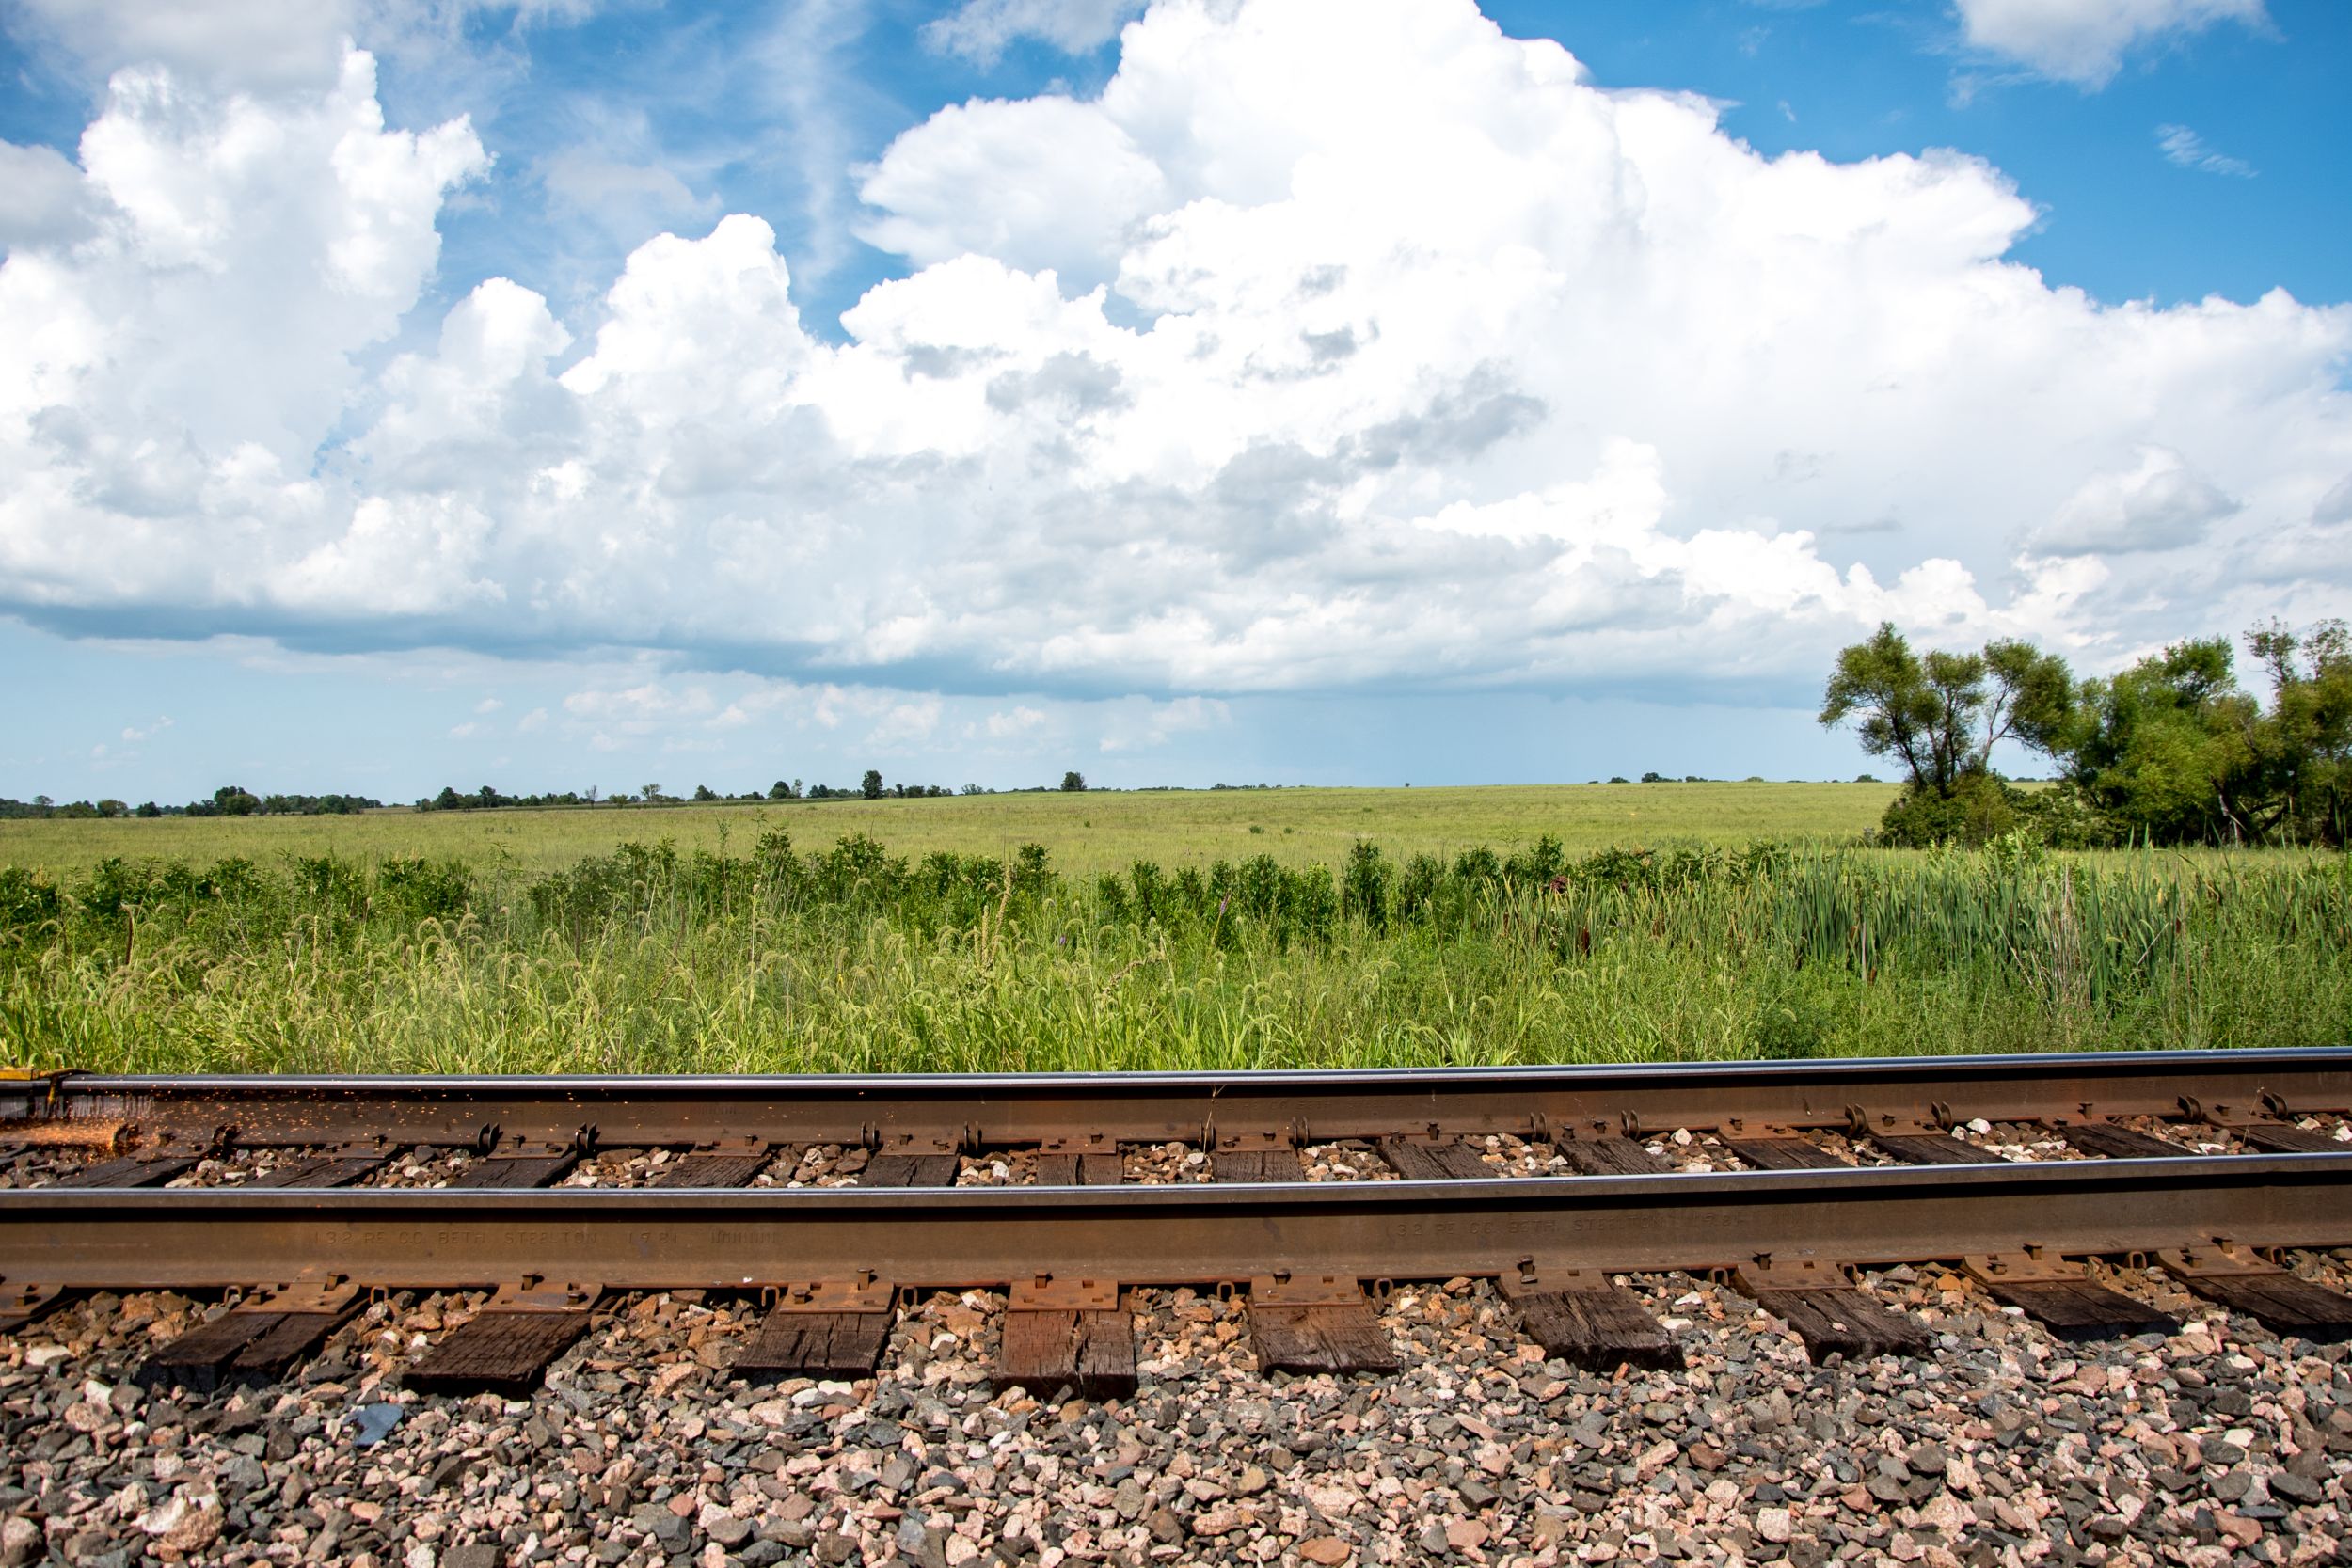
(1085, 834)
(1138, 931)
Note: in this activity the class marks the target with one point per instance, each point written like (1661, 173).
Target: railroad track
(837, 1199)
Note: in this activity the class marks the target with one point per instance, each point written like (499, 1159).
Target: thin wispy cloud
(802, 59)
(979, 30)
(2187, 150)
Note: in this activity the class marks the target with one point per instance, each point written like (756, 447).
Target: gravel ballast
(2219, 1443)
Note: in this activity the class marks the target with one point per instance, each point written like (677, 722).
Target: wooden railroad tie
(1822, 1307)
(132, 1170)
(731, 1163)
(332, 1167)
(2110, 1142)
(909, 1164)
(1068, 1331)
(1610, 1154)
(2284, 1137)
(1584, 1319)
(519, 1167)
(1256, 1157)
(2243, 1281)
(26, 1301)
(2062, 1297)
(1316, 1323)
(1433, 1159)
(1779, 1149)
(828, 1329)
(506, 1347)
(1091, 1161)
(257, 1340)
(1929, 1146)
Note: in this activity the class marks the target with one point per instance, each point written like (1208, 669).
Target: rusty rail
(639, 1239)
(976, 1111)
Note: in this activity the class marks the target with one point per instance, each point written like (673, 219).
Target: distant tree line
(235, 800)
(2172, 750)
(870, 788)
(228, 801)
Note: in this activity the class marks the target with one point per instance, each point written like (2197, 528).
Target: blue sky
(1447, 412)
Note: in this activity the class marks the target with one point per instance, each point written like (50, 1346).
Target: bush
(1978, 809)
(2063, 818)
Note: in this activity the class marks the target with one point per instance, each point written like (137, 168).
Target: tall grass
(855, 959)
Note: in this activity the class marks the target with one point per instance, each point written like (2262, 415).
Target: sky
(400, 393)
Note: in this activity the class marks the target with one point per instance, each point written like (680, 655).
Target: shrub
(1979, 808)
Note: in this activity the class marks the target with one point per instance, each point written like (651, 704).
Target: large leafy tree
(1941, 715)
(2302, 752)
(2172, 750)
(2161, 747)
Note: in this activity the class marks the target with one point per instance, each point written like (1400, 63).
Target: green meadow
(1228, 931)
(1083, 833)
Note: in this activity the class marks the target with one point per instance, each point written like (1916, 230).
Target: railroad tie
(506, 1347)
(2244, 1282)
(2061, 1297)
(1587, 1321)
(1825, 1310)
(827, 1329)
(1091, 1161)
(541, 1165)
(2284, 1137)
(23, 1302)
(1067, 1332)
(1257, 1160)
(1925, 1148)
(731, 1165)
(257, 1339)
(132, 1170)
(336, 1167)
(2110, 1142)
(1316, 1323)
(1777, 1148)
(1611, 1155)
(909, 1166)
(1433, 1159)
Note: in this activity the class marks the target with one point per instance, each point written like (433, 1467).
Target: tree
(2302, 750)
(1942, 715)
(650, 792)
(230, 800)
(2173, 751)
(872, 786)
(781, 791)
(704, 793)
(1074, 780)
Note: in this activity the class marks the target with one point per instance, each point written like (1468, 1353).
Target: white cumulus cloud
(2159, 503)
(1333, 346)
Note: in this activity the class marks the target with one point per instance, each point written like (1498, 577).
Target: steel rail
(636, 1239)
(976, 1111)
